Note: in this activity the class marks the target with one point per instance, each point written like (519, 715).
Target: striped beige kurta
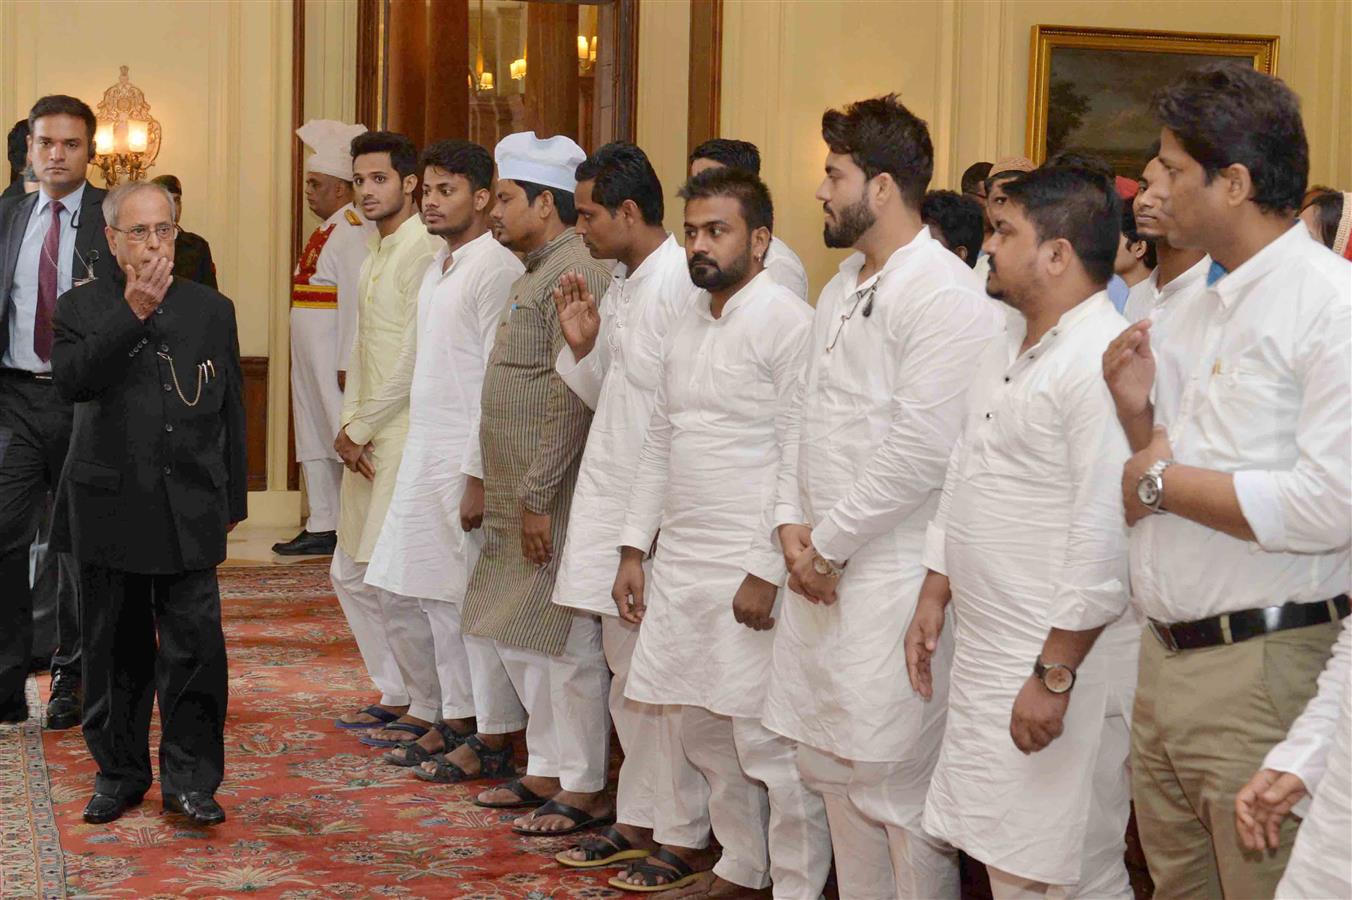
(532, 429)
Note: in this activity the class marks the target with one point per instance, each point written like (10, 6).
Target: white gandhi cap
(551, 162)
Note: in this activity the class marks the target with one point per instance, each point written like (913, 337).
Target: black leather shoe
(13, 715)
(104, 808)
(199, 806)
(66, 705)
(308, 543)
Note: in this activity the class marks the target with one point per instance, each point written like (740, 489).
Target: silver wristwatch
(1150, 487)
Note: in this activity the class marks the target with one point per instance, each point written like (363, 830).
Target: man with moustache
(532, 429)
(374, 422)
(50, 240)
(1178, 272)
(895, 339)
(782, 263)
(1032, 777)
(1241, 423)
(709, 462)
(324, 288)
(155, 478)
(612, 361)
(423, 557)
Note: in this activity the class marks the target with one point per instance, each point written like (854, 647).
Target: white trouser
(568, 729)
(361, 605)
(875, 809)
(497, 708)
(771, 827)
(323, 480)
(638, 725)
(425, 638)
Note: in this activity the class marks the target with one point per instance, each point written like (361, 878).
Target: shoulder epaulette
(352, 217)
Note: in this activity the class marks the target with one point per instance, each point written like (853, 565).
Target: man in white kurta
(324, 291)
(423, 557)
(706, 471)
(1031, 538)
(893, 343)
(1315, 761)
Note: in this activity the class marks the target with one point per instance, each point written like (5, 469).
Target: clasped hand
(796, 541)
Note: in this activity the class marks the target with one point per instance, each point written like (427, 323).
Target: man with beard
(781, 262)
(1178, 271)
(1032, 777)
(531, 433)
(374, 420)
(894, 341)
(707, 469)
(423, 557)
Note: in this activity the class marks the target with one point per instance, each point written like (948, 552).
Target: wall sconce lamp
(127, 139)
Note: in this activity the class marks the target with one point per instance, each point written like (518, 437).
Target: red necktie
(47, 269)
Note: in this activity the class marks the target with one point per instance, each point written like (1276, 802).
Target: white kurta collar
(736, 301)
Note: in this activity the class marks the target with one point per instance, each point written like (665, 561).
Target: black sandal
(525, 797)
(492, 764)
(677, 870)
(581, 820)
(599, 850)
(410, 755)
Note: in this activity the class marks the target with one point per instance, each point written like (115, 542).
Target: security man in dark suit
(50, 240)
(154, 480)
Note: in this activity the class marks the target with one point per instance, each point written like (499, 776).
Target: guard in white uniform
(1032, 777)
(423, 556)
(323, 321)
(894, 341)
(706, 474)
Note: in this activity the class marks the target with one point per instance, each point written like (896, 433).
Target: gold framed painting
(1089, 89)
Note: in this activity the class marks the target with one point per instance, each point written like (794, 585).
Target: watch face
(1148, 491)
(1058, 679)
(821, 566)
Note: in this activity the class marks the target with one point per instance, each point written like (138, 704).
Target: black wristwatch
(1057, 678)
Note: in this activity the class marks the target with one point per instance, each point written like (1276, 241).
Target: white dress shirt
(1318, 749)
(874, 424)
(422, 551)
(618, 379)
(1254, 377)
(1030, 532)
(1147, 299)
(23, 293)
(786, 268)
(706, 473)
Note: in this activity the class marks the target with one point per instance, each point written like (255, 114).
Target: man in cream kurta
(375, 404)
(423, 557)
(324, 290)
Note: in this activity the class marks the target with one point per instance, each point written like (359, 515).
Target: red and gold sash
(312, 296)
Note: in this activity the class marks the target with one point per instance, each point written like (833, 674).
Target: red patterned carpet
(313, 814)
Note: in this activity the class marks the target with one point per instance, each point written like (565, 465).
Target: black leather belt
(1231, 628)
(25, 375)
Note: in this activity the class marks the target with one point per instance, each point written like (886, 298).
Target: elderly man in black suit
(50, 240)
(154, 480)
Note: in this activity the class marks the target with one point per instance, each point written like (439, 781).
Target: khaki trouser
(1203, 721)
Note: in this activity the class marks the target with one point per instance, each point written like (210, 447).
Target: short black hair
(459, 157)
(170, 182)
(1075, 204)
(747, 189)
(883, 136)
(403, 155)
(64, 105)
(974, 177)
(1133, 236)
(563, 200)
(621, 171)
(1229, 113)
(742, 155)
(1328, 213)
(1074, 159)
(958, 218)
(17, 149)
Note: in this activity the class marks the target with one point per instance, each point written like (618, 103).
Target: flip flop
(605, 849)
(416, 730)
(677, 869)
(525, 797)
(581, 820)
(384, 717)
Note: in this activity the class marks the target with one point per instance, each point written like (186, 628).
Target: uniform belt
(25, 375)
(1231, 628)
(314, 296)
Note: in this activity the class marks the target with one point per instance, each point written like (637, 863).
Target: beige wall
(960, 64)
